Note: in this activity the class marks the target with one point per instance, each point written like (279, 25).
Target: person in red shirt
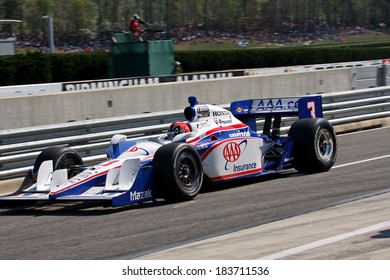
(134, 25)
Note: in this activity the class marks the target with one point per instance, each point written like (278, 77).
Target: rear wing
(249, 110)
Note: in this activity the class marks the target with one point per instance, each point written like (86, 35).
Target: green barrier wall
(145, 58)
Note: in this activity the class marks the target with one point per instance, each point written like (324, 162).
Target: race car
(213, 144)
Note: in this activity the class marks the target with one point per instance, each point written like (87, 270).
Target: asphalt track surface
(87, 231)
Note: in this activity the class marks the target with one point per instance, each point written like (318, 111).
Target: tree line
(96, 16)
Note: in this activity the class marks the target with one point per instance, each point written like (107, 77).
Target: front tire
(315, 145)
(62, 157)
(178, 172)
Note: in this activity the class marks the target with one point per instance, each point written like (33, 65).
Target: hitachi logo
(140, 195)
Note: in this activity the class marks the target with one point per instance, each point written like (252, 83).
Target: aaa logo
(231, 152)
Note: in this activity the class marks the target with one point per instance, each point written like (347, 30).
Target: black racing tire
(62, 157)
(315, 145)
(178, 172)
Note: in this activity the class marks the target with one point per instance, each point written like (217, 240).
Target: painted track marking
(335, 238)
(325, 241)
(360, 161)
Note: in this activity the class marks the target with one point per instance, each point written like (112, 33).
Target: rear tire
(178, 172)
(315, 145)
(62, 157)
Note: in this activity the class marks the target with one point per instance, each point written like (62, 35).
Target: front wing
(127, 190)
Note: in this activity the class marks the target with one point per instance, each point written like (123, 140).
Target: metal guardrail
(90, 138)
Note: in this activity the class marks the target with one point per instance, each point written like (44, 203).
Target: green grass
(228, 44)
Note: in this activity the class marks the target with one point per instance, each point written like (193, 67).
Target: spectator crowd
(312, 33)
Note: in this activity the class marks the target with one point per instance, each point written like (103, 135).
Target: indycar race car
(213, 144)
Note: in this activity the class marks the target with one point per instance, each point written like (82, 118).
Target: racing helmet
(177, 128)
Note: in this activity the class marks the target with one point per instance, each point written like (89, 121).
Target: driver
(177, 128)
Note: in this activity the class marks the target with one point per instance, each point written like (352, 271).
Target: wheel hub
(325, 144)
(186, 173)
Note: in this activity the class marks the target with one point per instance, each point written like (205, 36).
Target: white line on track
(332, 239)
(363, 131)
(325, 241)
(360, 161)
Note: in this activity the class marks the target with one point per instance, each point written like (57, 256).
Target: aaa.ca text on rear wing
(303, 107)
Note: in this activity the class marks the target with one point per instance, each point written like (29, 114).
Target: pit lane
(87, 231)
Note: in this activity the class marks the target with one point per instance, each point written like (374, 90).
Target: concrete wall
(364, 77)
(34, 89)
(26, 111)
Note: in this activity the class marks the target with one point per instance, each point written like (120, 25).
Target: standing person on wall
(134, 27)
